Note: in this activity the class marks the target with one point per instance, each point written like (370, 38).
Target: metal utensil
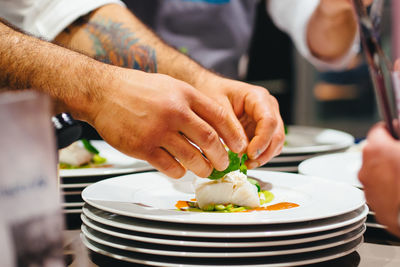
(67, 129)
(378, 63)
(375, 14)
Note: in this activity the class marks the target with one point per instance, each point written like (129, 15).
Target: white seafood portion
(233, 188)
(75, 155)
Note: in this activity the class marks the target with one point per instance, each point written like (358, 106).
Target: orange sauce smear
(181, 204)
(102, 166)
(277, 206)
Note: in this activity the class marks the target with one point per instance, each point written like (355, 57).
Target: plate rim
(306, 164)
(165, 241)
(331, 256)
(205, 218)
(296, 231)
(321, 148)
(344, 239)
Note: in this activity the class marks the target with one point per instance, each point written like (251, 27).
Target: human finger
(379, 134)
(268, 124)
(397, 65)
(189, 156)
(206, 138)
(166, 163)
(273, 149)
(223, 120)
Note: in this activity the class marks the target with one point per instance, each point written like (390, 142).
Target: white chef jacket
(48, 18)
(292, 17)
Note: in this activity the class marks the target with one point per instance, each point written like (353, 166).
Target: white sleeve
(49, 18)
(292, 17)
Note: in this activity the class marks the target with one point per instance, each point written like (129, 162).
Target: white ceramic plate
(279, 168)
(340, 167)
(214, 242)
(317, 199)
(223, 231)
(303, 139)
(163, 250)
(72, 185)
(72, 204)
(274, 261)
(121, 163)
(69, 193)
(72, 211)
(290, 159)
(375, 225)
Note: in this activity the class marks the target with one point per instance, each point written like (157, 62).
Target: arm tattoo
(117, 45)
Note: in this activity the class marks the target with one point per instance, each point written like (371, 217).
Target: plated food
(228, 191)
(136, 195)
(81, 154)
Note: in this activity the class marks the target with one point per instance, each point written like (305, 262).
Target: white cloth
(47, 18)
(292, 16)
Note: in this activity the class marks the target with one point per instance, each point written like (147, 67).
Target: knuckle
(208, 139)
(263, 93)
(191, 158)
(261, 90)
(175, 110)
(280, 138)
(271, 122)
(220, 113)
(274, 100)
(172, 168)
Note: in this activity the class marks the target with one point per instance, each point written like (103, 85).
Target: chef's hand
(380, 176)
(152, 117)
(331, 30)
(257, 111)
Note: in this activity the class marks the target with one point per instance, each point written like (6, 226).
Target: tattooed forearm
(117, 45)
(114, 35)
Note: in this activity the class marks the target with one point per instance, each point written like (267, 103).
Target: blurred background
(340, 100)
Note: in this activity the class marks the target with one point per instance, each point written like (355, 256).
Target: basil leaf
(243, 167)
(235, 163)
(89, 147)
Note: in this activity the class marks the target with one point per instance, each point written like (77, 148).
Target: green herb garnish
(254, 182)
(235, 163)
(243, 167)
(265, 197)
(89, 147)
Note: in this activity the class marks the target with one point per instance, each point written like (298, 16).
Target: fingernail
(256, 154)
(226, 164)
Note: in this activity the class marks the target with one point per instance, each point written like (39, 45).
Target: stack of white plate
(340, 167)
(303, 142)
(133, 219)
(73, 181)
